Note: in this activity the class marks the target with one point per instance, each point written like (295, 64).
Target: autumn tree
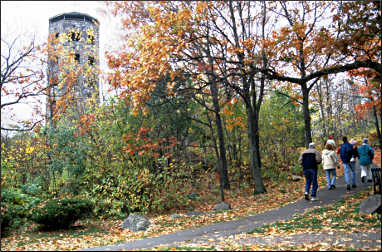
(299, 49)
(369, 91)
(360, 40)
(22, 79)
(161, 45)
(235, 46)
(358, 24)
(204, 41)
(306, 50)
(232, 51)
(174, 114)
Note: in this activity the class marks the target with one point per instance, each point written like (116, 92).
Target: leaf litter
(243, 204)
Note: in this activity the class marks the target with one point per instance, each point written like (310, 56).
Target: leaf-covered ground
(105, 232)
(335, 227)
(340, 219)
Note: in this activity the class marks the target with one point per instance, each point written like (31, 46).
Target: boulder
(136, 222)
(296, 177)
(371, 205)
(222, 206)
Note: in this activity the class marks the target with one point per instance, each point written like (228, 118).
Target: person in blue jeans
(354, 157)
(346, 152)
(329, 164)
(309, 159)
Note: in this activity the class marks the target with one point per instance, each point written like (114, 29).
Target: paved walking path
(228, 228)
(358, 239)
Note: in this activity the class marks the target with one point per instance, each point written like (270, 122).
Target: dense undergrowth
(95, 232)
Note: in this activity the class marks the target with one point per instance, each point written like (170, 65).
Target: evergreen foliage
(57, 214)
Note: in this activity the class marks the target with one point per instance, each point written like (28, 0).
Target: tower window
(91, 39)
(91, 60)
(77, 57)
(75, 36)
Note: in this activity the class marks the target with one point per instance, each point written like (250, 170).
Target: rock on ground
(370, 205)
(222, 206)
(136, 222)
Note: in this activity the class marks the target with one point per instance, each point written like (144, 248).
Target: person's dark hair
(345, 139)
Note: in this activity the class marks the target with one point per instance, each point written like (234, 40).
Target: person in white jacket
(330, 163)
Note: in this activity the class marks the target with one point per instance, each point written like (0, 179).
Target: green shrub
(15, 208)
(139, 191)
(296, 169)
(57, 214)
(31, 189)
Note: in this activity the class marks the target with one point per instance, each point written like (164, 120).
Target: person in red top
(331, 141)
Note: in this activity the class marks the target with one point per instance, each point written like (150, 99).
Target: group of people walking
(349, 153)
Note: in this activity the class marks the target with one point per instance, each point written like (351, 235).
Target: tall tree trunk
(324, 121)
(332, 129)
(215, 100)
(378, 129)
(307, 126)
(219, 163)
(254, 153)
(223, 159)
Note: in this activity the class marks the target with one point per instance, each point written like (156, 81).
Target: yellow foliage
(29, 150)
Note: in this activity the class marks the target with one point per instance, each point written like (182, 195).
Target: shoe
(330, 188)
(354, 186)
(334, 186)
(314, 199)
(369, 180)
(363, 179)
(307, 196)
(348, 187)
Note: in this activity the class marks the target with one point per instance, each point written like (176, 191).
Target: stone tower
(73, 62)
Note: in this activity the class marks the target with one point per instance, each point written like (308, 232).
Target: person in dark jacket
(309, 159)
(346, 151)
(366, 155)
